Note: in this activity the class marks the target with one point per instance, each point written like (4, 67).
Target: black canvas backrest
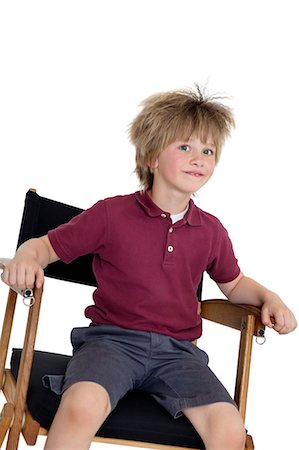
(41, 215)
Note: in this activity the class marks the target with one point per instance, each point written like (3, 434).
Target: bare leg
(219, 425)
(83, 408)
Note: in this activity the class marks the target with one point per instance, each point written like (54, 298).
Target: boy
(150, 251)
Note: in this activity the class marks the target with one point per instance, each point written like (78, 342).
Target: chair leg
(24, 372)
(8, 409)
(245, 350)
(6, 329)
(31, 427)
(5, 420)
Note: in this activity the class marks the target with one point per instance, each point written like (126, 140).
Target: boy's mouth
(195, 174)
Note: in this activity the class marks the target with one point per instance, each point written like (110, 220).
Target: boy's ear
(153, 164)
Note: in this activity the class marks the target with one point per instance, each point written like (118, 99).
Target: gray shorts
(174, 372)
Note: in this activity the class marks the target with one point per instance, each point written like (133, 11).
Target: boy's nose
(197, 158)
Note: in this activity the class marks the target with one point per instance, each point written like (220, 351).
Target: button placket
(169, 254)
(169, 249)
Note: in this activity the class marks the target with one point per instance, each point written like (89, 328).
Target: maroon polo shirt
(148, 270)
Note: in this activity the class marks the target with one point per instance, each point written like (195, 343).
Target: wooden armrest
(231, 314)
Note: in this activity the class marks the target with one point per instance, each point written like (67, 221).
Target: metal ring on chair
(28, 301)
(260, 340)
(28, 298)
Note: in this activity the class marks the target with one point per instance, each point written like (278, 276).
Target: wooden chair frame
(16, 418)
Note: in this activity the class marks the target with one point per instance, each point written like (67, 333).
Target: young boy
(150, 251)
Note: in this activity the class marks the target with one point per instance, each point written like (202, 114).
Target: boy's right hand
(25, 270)
(22, 273)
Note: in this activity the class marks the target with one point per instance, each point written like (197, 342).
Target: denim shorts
(174, 372)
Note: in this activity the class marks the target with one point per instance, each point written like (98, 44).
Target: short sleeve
(85, 233)
(223, 266)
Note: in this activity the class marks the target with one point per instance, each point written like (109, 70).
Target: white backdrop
(72, 75)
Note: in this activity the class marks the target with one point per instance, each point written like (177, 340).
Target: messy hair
(176, 115)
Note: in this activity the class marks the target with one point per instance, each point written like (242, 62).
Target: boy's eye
(208, 151)
(184, 147)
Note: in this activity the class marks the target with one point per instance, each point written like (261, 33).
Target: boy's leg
(92, 383)
(83, 408)
(182, 382)
(219, 425)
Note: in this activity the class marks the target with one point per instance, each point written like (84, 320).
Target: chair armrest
(232, 315)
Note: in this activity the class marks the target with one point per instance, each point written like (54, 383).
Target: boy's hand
(275, 314)
(20, 273)
(25, 270)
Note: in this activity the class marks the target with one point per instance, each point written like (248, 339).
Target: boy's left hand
(275, 314)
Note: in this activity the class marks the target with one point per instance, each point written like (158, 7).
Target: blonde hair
(176, 115)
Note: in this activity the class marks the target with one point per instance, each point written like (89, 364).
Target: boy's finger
(39, 278)
(279, 323)
(3, 277)
(21, 277)
(266, 318)
(30, 278)
(10, 276)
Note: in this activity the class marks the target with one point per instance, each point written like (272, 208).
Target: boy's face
(184, 166)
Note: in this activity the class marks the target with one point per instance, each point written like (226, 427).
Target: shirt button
(170, 230)
(163, 215)
(170, 248)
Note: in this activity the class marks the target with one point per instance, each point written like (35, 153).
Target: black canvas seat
(136, 417)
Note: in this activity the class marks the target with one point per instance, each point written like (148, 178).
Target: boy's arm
(274, 313)
(26, 268)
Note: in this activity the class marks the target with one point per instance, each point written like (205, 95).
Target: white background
(71, 78)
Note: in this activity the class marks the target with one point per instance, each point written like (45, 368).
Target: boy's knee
(86, 403)
(235, 436)
(232, 435)
(219, 425)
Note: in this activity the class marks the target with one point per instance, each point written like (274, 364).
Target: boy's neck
(173, 204)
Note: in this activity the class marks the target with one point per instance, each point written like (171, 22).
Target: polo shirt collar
(192, 217)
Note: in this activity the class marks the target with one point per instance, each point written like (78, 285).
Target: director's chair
(138, 420)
